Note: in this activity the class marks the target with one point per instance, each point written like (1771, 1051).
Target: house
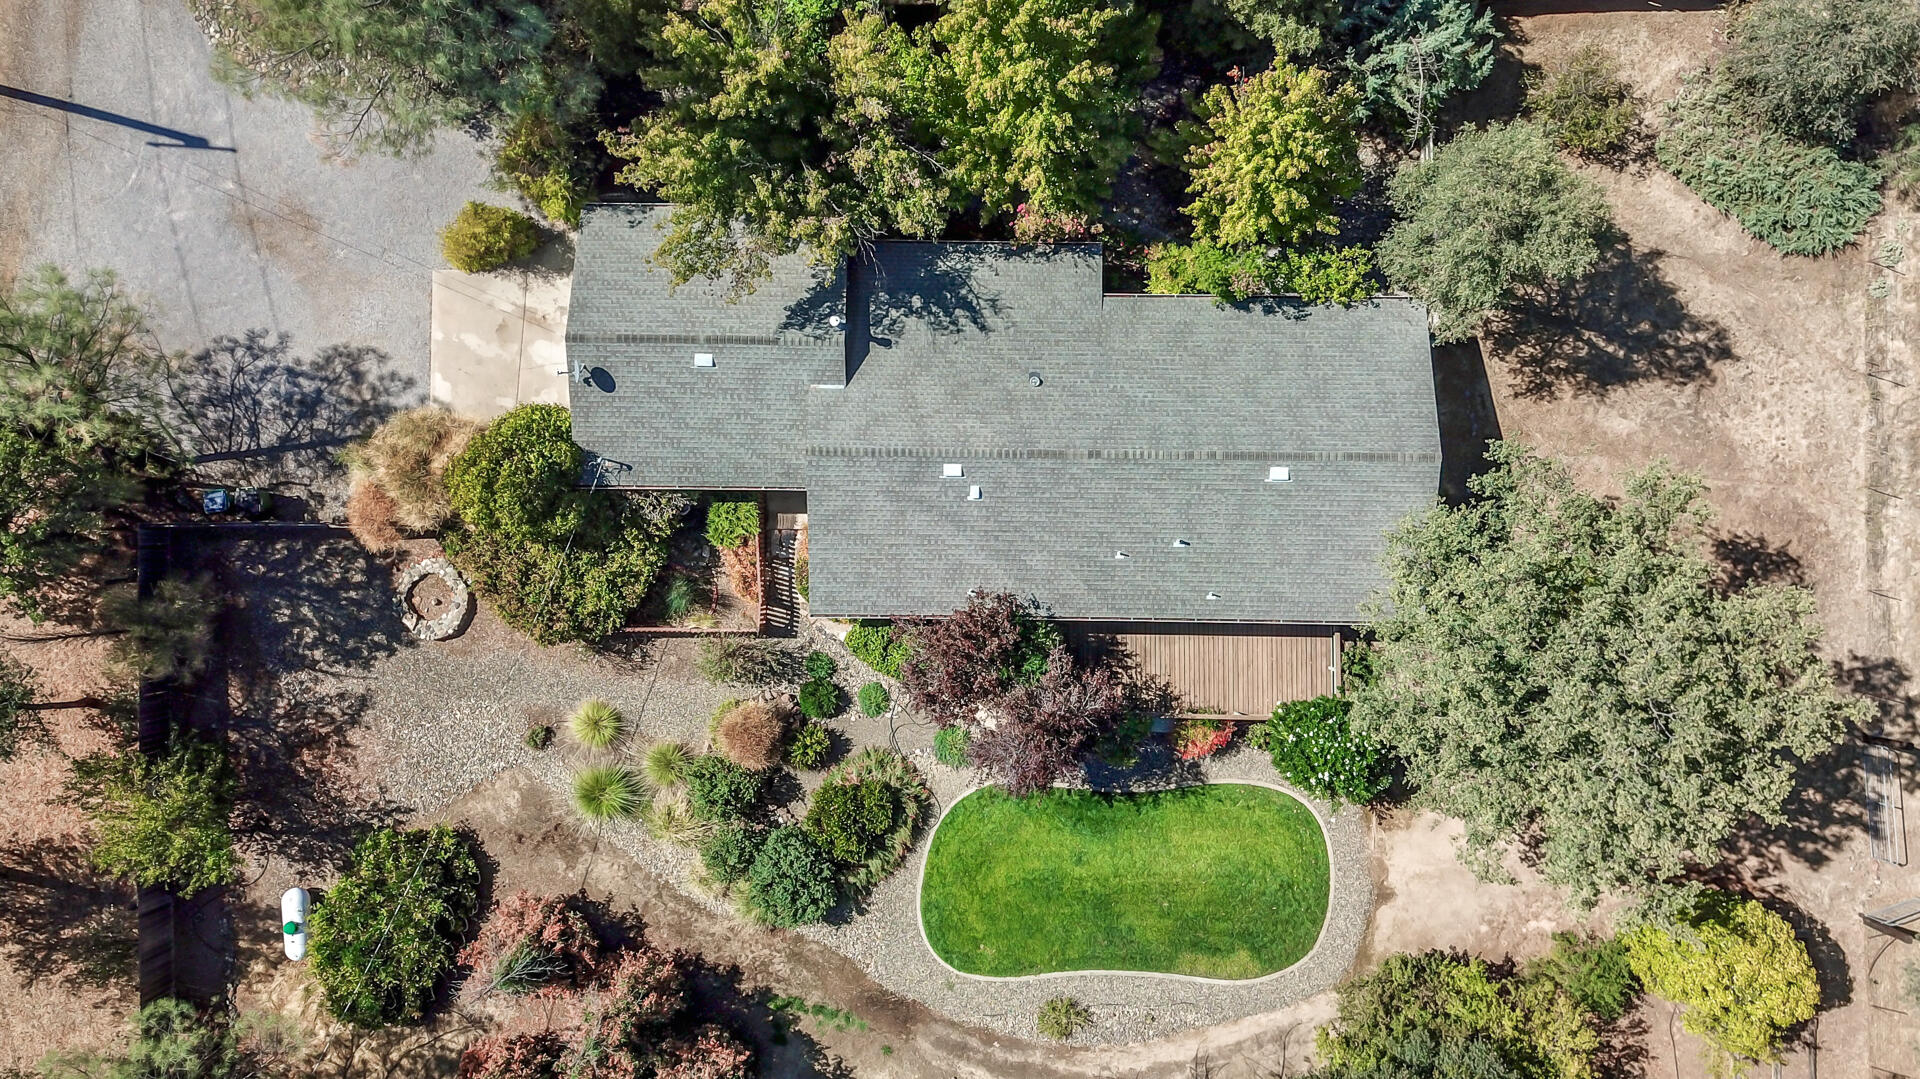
(1209, 485)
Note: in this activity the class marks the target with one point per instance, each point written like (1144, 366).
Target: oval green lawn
(1227, 880)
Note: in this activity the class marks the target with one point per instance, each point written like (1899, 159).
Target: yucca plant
(596, 724)
(665, 764)
(608, 793)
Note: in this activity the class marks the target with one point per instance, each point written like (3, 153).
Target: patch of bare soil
(66, 931)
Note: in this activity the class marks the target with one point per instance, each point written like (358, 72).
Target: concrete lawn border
(1320, 935)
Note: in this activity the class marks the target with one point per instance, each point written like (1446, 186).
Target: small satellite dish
(835, 321)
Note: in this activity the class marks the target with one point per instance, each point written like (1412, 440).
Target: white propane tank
(293, 922)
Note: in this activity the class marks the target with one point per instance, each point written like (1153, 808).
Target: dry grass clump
(407, 457)
(749, 735)
(743, 571)
(371, 517)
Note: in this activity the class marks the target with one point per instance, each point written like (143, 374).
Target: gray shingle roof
(658, 420)
(1157, 420)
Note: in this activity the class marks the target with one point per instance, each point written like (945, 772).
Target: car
(293, 922)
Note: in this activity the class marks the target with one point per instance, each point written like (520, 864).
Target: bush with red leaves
(535, 943)
(975, 655)
(512, 1056)
(708, 1053)
(1196, 738)
(1043, 728)
(645, 991)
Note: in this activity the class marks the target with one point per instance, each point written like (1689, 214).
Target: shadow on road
(181, 139)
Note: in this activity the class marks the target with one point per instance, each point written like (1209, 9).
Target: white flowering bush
(1315, 749)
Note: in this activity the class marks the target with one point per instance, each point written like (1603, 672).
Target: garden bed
(1225, 881)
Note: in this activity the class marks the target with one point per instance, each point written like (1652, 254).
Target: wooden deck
(1241, 671)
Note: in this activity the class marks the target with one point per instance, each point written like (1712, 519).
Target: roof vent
(1034, 379)
(973, 493)
(1181, 543)
(1117, 555)
(1213, 595)
(952, 471)
(703, 359)
(833, 321)
(1279, 474)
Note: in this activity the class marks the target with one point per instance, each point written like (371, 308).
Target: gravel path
(449, 716)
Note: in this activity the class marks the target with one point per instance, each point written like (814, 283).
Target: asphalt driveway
(118, 149)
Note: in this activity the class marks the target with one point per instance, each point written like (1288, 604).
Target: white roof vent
(703, 359)
(1279, 474)
(1117, 555)
(952, 471)
(1181, 543)
(1213, 595)
(973, 493)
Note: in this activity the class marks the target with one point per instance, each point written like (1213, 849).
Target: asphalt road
(118, 149)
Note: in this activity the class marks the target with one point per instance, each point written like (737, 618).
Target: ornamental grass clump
(608, 793)
(665, 765)
(1062, 1017)
(596, 724)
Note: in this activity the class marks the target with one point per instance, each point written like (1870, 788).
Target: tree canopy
(1558, 670)
(1415, 55)
(1496, 211)
(1811, 68)
(1274, 154)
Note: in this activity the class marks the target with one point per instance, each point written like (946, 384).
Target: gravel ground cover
(448, 716)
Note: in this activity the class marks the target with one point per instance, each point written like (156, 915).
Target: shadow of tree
(1747, 558)
(1885, 681)
(248, 410)
(62, 920)
(1622, 323)
(1821, 817)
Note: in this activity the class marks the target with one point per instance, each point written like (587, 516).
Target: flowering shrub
(534, 942)
(1197, 738)
(1317, 751)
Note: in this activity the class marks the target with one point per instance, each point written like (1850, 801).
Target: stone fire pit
(435, 603)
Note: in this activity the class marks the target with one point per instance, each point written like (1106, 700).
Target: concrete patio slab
(499, 340)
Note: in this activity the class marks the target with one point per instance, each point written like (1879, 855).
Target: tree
(1274, 154)
(164, 821)
(1034, 99)
(1736, 966)
(78, 363)
(1040, 731)
(52, 514)
(976, 654)
(172, 1040)
(1340, 275)
(1559, 671)
(1292, 27)
(1443, 1014)
(1811, 68)
(380, 939)
(1414, 55)
(518, 478)
(1495, 212)
(778, 135)
(385, 76)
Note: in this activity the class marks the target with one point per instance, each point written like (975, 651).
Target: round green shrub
(720, 790)
(382, 937)
(1316, 749)
(809, 747)
(596, 724)
(1594, 972)
(517, 478)
(608, 793)
(1742, 974)
(733, 523)
(881, 646)
(791, 881)
(821, 699)
(483, 237)
(1584, 105)
(874, 699)
(820, 666)
(911, 801)
(950, 746)
(849, 820)
(729, 852)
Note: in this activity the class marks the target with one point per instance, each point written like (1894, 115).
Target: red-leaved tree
(1041, 730)
(976, 655)
(535, 943)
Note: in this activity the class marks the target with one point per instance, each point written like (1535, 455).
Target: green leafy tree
(1812, 68)
(381, 938)
(780, 134)
(1341, 275)
(1435, 1007)
(1495, 212)
(792, 879)
(52, 515)
(1035, 99)
(1558, 670)
(1736, 967)
(163, 821)
(1273, 156)
(1292, 27)
(386, 76)
(1415, 55)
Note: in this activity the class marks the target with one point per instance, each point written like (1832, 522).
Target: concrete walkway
(499, 340)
